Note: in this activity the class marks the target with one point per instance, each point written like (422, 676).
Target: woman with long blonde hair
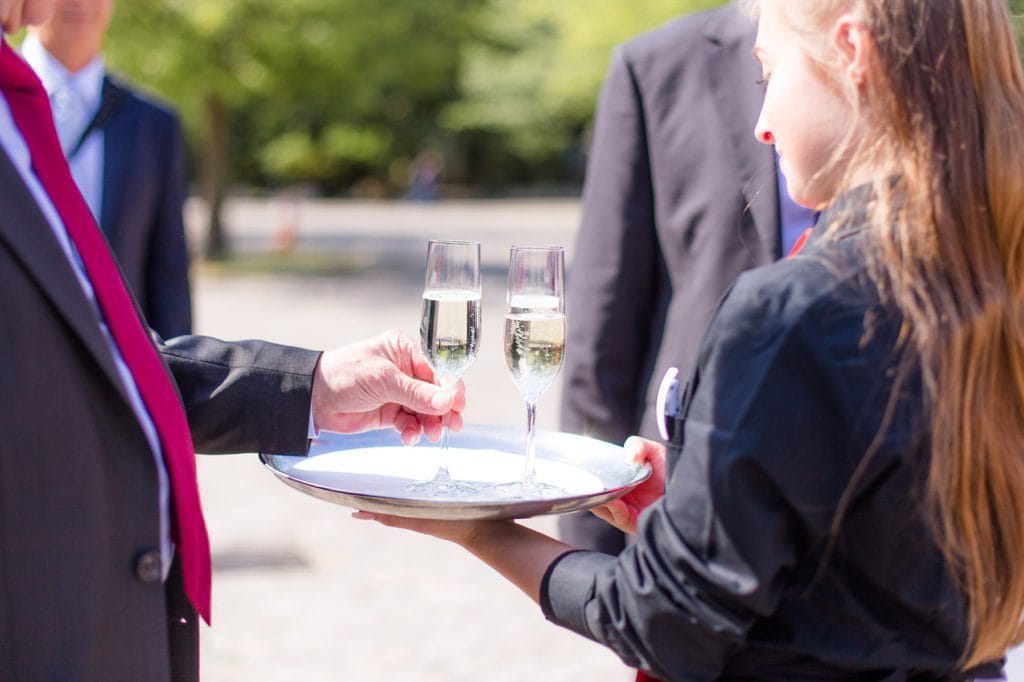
(844, 496)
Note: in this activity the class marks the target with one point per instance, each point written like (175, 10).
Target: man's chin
(35, 12)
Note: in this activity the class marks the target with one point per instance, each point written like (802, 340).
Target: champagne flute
(534, 343)
(449, 335)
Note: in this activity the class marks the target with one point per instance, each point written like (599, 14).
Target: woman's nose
(761, 131)
(764, 136)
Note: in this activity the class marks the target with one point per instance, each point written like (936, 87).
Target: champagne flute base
(441, 488)
(526, 490)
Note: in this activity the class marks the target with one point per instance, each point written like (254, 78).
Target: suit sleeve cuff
(568, 586)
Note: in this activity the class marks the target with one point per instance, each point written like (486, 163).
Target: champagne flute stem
(529, 475)
(442, 476)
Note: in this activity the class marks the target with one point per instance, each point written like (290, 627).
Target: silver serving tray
(370, 471)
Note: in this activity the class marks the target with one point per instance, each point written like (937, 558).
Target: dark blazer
(679, 199)
(141, 212)
(78, 485)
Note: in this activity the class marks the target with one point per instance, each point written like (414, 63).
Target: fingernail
(441, 400)
(362, 516)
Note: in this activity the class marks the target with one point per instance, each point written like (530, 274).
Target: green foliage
(332, 91)
(316, 90)
(296, 155)
(535, 72)
(1017, 7)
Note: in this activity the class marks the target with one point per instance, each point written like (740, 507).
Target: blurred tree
(316, 91)
(1017, 7)
(533, 75)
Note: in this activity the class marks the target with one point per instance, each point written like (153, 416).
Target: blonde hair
(946, 111)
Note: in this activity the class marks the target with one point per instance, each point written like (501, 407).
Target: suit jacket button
(147, 567)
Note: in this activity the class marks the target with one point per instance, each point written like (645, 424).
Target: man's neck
(73, 51)
(73, 57)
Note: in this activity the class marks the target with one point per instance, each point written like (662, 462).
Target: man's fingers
(408, 426)
(419, 396)
(431, 427)
(421, 369)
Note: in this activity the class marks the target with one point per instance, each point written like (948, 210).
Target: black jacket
(679, 200)
(736, 572)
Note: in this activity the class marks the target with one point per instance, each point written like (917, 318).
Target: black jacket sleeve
(243, 396)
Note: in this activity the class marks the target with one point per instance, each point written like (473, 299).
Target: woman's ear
(855, 43)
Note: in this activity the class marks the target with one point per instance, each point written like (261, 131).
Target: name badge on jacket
(667, 405)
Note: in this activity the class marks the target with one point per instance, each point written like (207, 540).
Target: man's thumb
(420, 396)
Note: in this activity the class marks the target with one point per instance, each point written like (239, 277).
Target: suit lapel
(733, 74)
(24, 228)
(115, 162)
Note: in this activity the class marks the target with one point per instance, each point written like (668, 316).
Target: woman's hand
(459, 532)
(624, 511)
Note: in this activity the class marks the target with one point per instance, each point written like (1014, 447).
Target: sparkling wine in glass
(534, 341)
(449, 336)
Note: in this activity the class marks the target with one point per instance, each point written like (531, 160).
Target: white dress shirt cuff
(312, 432)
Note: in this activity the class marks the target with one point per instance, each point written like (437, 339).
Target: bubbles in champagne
(534, 343)
(450, 329)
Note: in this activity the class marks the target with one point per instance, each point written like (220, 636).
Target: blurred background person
(679, 199)
(425, 176)
(126, 156)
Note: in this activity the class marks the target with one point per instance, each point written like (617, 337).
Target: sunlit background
(308, 123)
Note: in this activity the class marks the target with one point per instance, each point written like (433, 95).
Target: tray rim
(448, 509)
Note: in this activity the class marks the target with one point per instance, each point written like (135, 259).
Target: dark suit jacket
(78, 485)
(141, 213)
(679, 199)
